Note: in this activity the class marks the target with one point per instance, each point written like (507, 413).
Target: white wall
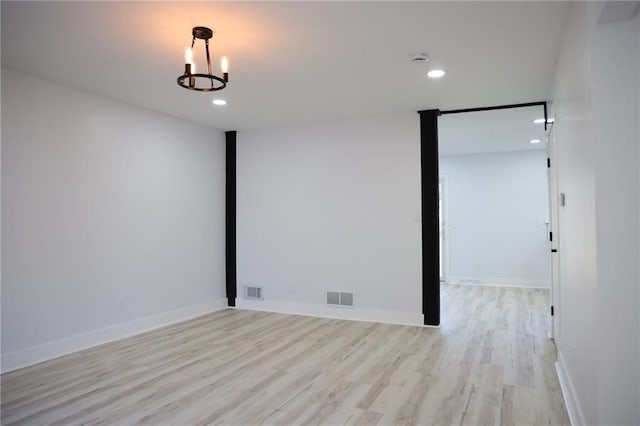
(332, 206)
(497, 213)
(103, 203)
(596, 110)
(577, 245)
(615, 110)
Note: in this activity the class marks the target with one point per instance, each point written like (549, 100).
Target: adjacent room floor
(490, 363)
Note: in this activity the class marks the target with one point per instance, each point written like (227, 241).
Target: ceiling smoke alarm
(420, 57)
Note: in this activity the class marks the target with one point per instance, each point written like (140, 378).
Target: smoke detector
(420, 58)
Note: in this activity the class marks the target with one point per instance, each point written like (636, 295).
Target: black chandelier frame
(189, 81)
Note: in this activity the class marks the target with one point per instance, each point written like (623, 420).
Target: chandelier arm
(206, 46)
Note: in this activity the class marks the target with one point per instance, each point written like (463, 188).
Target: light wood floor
(490, 363)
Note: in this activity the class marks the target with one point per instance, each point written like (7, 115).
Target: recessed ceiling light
(219, 102)
(435, 73)
(534, 141)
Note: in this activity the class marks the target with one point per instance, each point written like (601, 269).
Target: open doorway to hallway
(493, 208)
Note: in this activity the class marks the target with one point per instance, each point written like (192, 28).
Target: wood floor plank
(490, 363)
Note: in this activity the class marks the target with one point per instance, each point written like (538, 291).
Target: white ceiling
(491, 131)
(292, 62)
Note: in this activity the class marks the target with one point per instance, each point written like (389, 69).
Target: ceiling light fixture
(541, 120)
(208, 82)
(534, 141)
(219, 102)
(420, 57)
(435, 73)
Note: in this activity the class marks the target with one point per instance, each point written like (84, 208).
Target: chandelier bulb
(224, 64)
(188, 55)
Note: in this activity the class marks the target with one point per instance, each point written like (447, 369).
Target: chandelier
(199, 81)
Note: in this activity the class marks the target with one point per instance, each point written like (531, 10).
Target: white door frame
(554, 197)
(443, 180)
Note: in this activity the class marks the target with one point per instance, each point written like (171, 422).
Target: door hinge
(551, 310)
(549, 162)
(550, 236)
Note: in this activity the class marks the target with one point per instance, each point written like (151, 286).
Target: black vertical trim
(430, 225)
(230, 217)
(548, 163)
(550, 236)
(545, 115)
(552, 310)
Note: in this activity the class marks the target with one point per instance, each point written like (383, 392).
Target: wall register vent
(253, 293)
(337, 298)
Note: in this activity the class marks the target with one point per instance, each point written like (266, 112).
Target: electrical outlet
(122, 305)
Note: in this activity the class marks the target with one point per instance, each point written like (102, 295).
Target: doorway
(436, 226)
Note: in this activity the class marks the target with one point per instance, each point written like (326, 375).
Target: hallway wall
(596, 106)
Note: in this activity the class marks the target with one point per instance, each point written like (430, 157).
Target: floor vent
(337, 298)
(253, 293)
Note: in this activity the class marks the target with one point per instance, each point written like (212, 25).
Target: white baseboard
(499, 282)
(323, 311)
(569, 393)
(33, 355)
